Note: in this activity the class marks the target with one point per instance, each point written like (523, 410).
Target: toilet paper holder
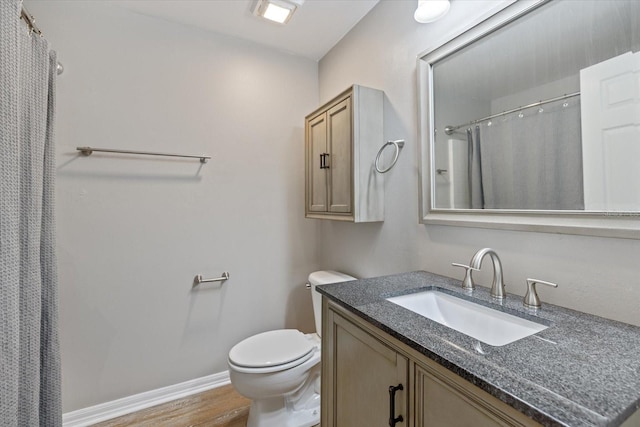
(198, 279)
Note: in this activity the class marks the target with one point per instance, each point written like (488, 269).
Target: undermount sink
(490, 326)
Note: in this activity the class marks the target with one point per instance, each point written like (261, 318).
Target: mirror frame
(604, 224)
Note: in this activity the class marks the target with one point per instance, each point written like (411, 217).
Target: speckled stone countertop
(582, 370)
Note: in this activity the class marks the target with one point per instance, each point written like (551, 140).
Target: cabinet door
(442, 400)
(357, 373)
(340, 131)
(316, 175)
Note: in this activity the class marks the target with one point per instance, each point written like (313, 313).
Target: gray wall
(596, 275)
(133, 232)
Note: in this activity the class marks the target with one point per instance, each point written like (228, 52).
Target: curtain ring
(398, 144)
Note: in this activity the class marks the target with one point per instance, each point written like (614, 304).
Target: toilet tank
(322, 278)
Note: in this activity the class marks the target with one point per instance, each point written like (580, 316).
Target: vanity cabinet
(357, 372)
(444, 399)
(359, 365)
(342, 138)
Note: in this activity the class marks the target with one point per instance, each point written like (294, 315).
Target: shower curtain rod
(30, 20)
(450, 129)
(31, 23)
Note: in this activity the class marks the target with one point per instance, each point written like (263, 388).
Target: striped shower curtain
(29, 349)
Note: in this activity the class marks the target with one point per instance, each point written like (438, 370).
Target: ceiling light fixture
(279, 11)
(431, 10)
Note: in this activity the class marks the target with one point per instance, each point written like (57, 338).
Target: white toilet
(280, 370)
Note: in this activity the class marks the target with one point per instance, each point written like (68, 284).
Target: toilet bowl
(280, 370)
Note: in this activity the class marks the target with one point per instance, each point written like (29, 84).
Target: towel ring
(398, 144)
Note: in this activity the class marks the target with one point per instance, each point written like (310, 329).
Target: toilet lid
(271, 348)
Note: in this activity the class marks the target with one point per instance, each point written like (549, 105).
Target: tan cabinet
(360, 363)
(342, 140)
(444, 399)
(365, 380)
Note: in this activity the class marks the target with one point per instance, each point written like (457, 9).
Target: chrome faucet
(497, 286)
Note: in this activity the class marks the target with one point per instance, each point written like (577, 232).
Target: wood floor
(220, 407)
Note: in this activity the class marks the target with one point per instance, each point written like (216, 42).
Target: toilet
(280, 370)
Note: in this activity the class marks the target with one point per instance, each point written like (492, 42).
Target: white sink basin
(490, 326)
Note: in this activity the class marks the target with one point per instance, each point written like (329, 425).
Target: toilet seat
(271, 351)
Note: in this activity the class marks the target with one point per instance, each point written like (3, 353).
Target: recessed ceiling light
(279, 11)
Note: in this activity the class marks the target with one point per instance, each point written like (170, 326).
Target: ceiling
(314, 29)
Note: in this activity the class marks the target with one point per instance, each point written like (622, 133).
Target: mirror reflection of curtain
(532, 159)
(475, 170)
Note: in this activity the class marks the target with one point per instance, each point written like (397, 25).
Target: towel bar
(87, 151)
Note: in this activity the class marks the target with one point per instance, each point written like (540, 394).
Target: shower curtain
(29, 349)
(531, 159)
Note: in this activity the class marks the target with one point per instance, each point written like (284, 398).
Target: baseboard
(126, 405)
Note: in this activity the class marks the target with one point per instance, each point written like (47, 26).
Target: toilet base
(274, 413)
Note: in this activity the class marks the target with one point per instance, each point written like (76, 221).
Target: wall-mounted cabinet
(342, 139)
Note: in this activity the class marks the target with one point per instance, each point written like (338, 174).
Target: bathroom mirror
(530, 120)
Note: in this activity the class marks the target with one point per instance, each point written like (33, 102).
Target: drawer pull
(392, 406)
(323, 161)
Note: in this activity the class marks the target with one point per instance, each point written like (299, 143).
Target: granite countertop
(582, 370)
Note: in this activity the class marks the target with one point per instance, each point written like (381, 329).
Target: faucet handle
(531, 298)
(467, 282)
